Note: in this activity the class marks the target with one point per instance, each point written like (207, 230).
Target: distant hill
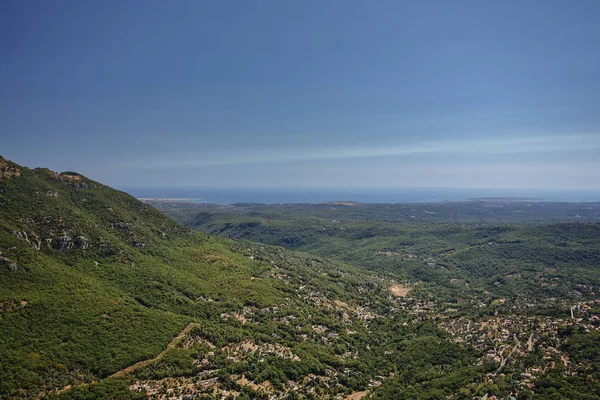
(505, 199)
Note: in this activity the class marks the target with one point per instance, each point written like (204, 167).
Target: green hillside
(94, 281)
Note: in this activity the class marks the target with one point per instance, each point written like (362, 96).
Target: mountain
(102, 296)
(93, 280)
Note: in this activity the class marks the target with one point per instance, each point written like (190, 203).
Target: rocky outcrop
(32, 238)
(5, 262)
(66, 243)
(138, 244)
(63, 243)
(51, 193)
(120, 225)
(80, 185)
(81, 243)
(21, 235)
(75, 180)
(37, 244)
(58, 177)
(64, 176)
(7, 169)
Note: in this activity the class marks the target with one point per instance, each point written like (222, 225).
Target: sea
(360, 195)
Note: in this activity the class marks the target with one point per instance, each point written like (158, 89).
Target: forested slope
(93, 281)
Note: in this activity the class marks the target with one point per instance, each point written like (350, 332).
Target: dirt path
(160, 355)
(530, 342)
(135, 366)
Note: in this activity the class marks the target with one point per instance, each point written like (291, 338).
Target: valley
(103, 296)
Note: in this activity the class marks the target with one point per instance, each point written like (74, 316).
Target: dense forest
(503, 253)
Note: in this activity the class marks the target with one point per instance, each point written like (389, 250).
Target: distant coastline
(357, 195)
(505, 199)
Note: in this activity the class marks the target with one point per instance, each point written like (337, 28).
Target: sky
(305, 94)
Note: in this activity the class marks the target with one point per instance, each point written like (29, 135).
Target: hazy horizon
(360, 195)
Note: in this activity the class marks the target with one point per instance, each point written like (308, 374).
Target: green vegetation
(102, 296)
(476, 260)
(94, 281)
(524, 261)
(113, 280)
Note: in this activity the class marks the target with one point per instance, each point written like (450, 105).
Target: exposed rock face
(64, 177)
(36, 241)
(7, 169)
(81, 243)
(66, 242)
(63, 243)
(21, 235)
(121, 225)
(8, 263)
(80, 185)
(37, 244)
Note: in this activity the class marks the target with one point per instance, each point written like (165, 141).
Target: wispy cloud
(480, 147)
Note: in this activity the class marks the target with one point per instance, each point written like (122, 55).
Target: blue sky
(465, 94)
